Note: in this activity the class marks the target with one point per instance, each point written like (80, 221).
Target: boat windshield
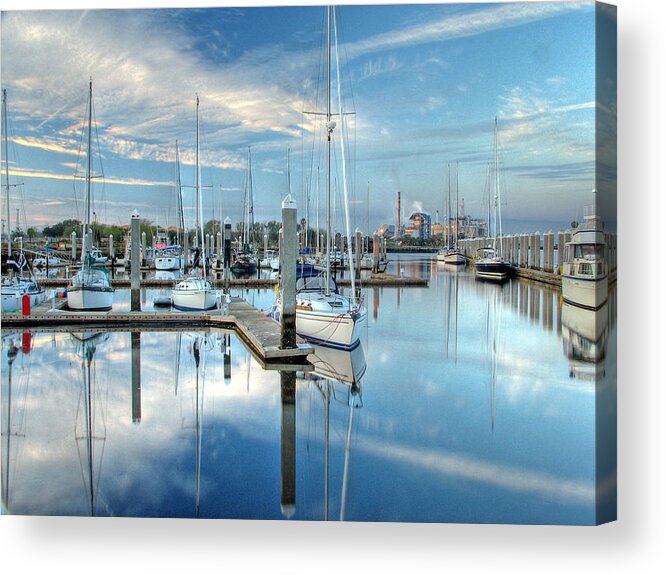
(589, 251)
(314, 283)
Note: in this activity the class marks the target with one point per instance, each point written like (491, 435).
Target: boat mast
(4, 129)
(455, 239)
(86, 224)
(199, 202)
(179, 189)
(329, 127)
(344, 165)
(250, 204)
(449, 235)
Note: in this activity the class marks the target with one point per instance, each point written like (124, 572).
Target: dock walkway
(261, 334)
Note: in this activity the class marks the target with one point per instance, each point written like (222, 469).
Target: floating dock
(261, 334)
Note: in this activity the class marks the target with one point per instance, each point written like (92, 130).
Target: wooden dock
(260, 334)
(376, 280)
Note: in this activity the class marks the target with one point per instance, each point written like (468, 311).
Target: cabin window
(589, 251)
(585, 269)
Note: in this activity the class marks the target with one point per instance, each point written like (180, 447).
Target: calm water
(466, 402)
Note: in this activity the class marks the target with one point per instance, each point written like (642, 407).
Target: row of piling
(535, 251)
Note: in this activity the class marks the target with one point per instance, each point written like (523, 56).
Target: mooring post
(358, 240)
(136, 376)
(143, 248)
(73, 240)
(186, 250)
(112, 249)
(218, 250)
(288, 444)
(135, 268)
(375, 253)
(560, 251)
(227, 257)
(289, 254)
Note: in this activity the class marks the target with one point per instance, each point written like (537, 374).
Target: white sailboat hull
(453, 258)
(590, 293)
(89, 290)
(194, 295)
(12, 297)
(333, 326)
(89, 299)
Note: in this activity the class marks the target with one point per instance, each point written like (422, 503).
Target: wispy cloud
(474, 22)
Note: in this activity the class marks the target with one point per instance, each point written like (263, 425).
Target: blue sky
(427, 82)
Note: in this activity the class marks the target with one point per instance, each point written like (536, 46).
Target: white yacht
(585, 267)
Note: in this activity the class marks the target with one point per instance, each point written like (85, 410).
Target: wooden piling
(288, 273)
(135, 267)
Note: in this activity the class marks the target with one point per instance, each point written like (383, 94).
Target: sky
(421, 87)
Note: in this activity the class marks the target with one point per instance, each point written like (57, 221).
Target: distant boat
(244, 261)
(89, 289)
(20, 280)
(195, 292)
(489, 262)
(170, 257)
(451, 254)
(585, 268)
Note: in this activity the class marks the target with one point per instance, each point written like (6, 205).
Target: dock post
(375, 253)
(357, 261)
(143, 248)
(112, 249)
(560, 251)
(549, 252)
(523, 251)
(186, 249)
(227, 256)
(265, 245)
(288, 443)
(73, 240)
(135, 268)
(218, 249)
(136, 376)
(288, 274)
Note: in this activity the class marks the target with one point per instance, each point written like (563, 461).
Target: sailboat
(323, 314)
(170, 257)
(89, 289)
(244, 262)
(18, 283)
(451, 254)
(195, 292)
(489, 263)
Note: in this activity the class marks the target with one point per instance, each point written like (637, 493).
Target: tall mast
(329, 127)
(4, 129)
(179, 189)
(448, 211)
(495, 187)
(250, 205)
(85, 247)
(199, 201)
(455, 242)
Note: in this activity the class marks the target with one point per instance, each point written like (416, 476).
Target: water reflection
(458, 407)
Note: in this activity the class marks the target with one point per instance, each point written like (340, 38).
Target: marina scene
(264, 296)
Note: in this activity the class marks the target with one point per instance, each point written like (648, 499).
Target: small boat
(89, 289)
(168, 258)
(195, 292)
(451, 254)
(271, 260)
(20, 280)
(243, 264)
(97, 256)
(584, 269)
(489, 264)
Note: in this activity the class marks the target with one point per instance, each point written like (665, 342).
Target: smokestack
(397, 222)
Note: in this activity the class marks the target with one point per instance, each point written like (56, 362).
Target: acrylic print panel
(481, 390)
